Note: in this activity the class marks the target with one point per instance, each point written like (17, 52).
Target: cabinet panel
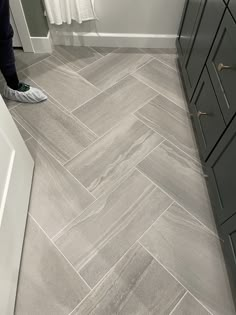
(186, 32)
(224, 54)
(228, 233)
(221, 168)
(207, 116)
(200, 47)
(232, 6)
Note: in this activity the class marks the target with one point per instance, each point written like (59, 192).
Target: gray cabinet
(232, 7)
(228, 233)
(188, 27)
(222, 66)
(199, 40)
(207, 61)
(207, 116)
(221, 167)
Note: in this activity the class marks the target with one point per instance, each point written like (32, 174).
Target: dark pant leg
(7, 59)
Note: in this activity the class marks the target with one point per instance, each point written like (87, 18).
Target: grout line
(123, 178)
(167, 97)
(191, 157)
(160, 216)
(130, 73)
(106, 133)
(120, 121)
(16, 119)
(70, 264)
(112, 230)
(166, 64)
(164, 191)
(65, 111)
(77, 72)
(30, 136)
(54, 158)
(178, 303)
(141, 81)
(163, 266)
(109, 52)
(75, 118)
(75, 218)
(118, 261)
(90, 99)
(180, 120)
(34, 64)
(89, 47)
(57, 103)
(155, 57)
(105, 91)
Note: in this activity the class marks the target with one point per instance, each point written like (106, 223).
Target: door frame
(21, 24)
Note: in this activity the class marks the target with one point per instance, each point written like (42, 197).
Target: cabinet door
(190, 18)
(222, 56)
(228, 233)
(208, 120)
(232, 6)
(221, 168)
(200, 47)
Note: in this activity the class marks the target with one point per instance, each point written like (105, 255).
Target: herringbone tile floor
(120, 220)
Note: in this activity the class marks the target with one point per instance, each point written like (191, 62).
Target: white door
(16, 170)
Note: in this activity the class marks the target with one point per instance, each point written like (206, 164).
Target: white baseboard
(42, 44)
(114, 40)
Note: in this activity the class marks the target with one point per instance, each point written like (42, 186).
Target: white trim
(114, 39)
(42, 44)
(21, 24)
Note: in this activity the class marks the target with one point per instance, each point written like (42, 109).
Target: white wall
(128, 22)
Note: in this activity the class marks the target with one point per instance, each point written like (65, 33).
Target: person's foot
(24, 94)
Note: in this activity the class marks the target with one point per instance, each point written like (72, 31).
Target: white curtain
(64, 11)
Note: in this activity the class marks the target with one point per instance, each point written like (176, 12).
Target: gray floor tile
(25, 135)
(164, 80)
(112, 156)
(182, 178)
(99, 237)
(167, 56)
(114, 67)
(107, 109)
(61, 134)
(76, 57)
(104, 50)
(61, 82)
(24, 60)
(171, 122)
(47, 285)
(193, 255)
(137, 285)
(190, 306)
(56, 197)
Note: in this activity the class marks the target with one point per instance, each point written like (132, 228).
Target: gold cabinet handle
(199, 114)
(221, 67)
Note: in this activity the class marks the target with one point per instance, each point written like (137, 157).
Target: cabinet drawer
(207, 116)
(228, 234)
(224, 53)
(221, 169)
